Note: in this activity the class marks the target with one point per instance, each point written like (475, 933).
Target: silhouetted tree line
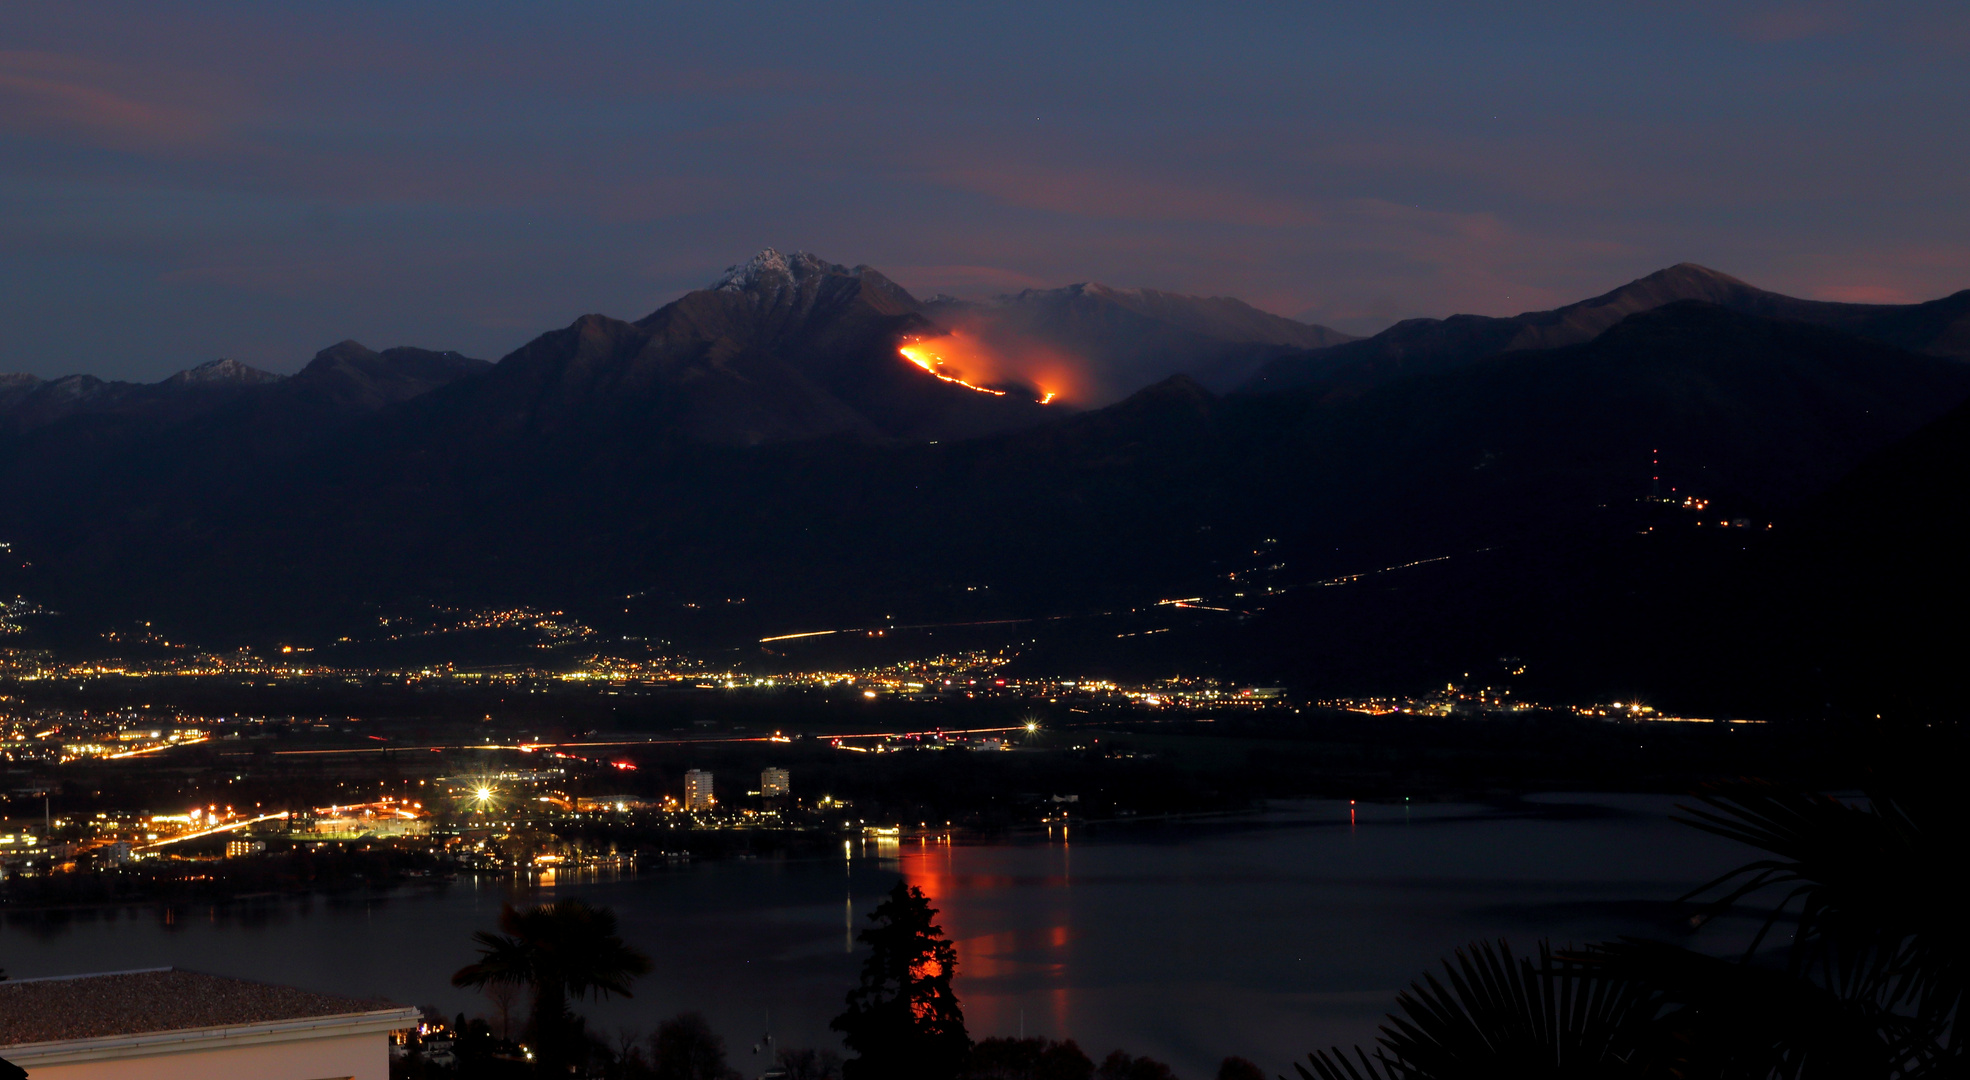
(1044, 1059)
(682, 1048)
(903, 1021)
(1869, 986)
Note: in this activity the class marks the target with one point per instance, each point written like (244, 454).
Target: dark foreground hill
(1521, 502)
(1614, 515)
(1874, 585)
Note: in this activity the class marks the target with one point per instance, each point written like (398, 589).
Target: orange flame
(919, 354)
(970, 361)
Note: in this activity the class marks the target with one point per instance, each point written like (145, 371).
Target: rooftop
(164, 999)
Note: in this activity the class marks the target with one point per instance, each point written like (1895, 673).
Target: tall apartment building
(697, 790)
(773, 783)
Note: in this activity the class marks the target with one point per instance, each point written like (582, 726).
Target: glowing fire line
(933, 363)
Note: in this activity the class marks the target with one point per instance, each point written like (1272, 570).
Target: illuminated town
(953, 542)
(143, 795)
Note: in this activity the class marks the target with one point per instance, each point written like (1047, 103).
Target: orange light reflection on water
(993, 962)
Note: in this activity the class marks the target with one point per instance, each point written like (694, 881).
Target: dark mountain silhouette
(345, 379)
(1532, 471)
(1415, 346)
(351, 377)
(216, 373)
(1869, 588)
(1740, 407)
(783, 347)
(100, 464)
(755, 459)
(28, 402)
(1122, 339)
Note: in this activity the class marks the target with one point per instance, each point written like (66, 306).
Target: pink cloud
(1792, 22)
(1478, 262)
(1896, 274)
(1863, 294)
(1122, 195)
(963, 278)
(1366, 260)
(290, 278)
(61, 97)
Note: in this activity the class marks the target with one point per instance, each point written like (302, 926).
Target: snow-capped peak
(223, 372)
(770, 268)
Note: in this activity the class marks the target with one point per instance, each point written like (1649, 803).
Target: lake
(1264, 935)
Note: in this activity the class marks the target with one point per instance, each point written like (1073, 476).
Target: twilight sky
(183, 181)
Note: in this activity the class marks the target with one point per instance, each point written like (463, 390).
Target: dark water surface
(1262, 936)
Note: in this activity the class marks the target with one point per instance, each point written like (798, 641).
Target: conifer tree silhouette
(903, 1019)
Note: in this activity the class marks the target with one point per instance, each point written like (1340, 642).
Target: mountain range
(1613, 492)
(1423, 346)
(1122, 339)
(345, 377)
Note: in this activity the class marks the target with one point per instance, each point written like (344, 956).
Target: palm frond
(1496, 1014)
(1334, 1064)
(502, 960)
(1874, 884)
(1746, 1019)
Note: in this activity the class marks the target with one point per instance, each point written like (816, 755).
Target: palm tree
(1871, 985)
(1880, 927)
(566, 949)
(1504, 1016)
(1717, 1017)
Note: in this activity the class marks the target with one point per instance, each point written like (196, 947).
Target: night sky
(188, 181)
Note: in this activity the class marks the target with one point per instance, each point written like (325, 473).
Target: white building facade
(697, 790)
(165, 1024)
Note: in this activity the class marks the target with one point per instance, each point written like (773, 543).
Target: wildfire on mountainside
(966, 361)
(922, 356)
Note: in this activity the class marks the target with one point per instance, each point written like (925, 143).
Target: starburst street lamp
(479, 794)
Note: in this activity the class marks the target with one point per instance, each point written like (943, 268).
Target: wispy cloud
(1793, 22)
(1123, 194)
(68, 98)
(1893, 273)
(461, 174)
(963, 279)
